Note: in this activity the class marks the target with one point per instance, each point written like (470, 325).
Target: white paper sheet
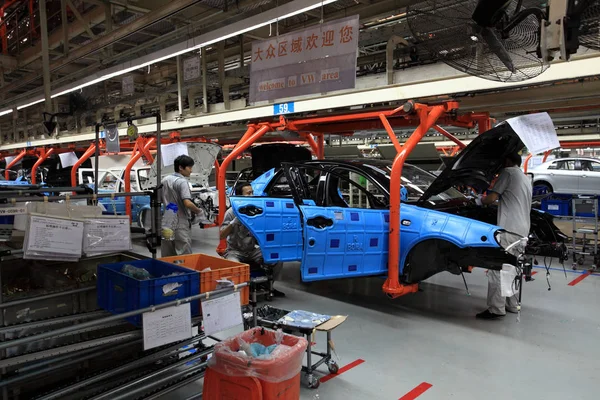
(536, 131)
(221, 313)
(68, 159)
(54, 235)
(107, 235)
(169, 152)
(167, 325)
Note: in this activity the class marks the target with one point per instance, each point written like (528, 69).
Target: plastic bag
(507, 280)
(136, 273)
(261, 353)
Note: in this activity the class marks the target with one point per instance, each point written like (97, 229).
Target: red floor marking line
(342, 370)
(533, 273)
(416, 392)
(579, 278)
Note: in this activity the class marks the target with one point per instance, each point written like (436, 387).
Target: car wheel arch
(543, 182)
(427, 252)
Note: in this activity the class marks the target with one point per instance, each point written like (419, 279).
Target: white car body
(569, 175)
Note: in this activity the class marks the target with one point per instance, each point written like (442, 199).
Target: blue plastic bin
(119, 293)
(556, 206)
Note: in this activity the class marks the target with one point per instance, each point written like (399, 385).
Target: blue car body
(333, 216)
(356, 244)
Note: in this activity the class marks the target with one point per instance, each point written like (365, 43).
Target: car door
(565, 178)
(344, 220)
(274, 222)
(589, 181)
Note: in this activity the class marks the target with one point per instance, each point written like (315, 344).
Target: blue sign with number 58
(283, 108)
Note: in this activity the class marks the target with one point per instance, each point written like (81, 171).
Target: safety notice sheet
(221, 313)
(53, 238)
(167, 325)
(106, 235)
(536, 131)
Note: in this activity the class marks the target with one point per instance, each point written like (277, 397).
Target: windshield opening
(417, 181)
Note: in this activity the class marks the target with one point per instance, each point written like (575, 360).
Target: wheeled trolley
(585, 209)
(268, 316)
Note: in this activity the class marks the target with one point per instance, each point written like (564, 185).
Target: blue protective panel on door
(277, 229)
(260, 183)
(355, 245)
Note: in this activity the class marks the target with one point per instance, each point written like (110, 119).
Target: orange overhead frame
(254, 133)
(529, 156)
(44, 154)
(428, 116)
(141, 148)
(88, 153)
(450, 136)
(14, 162)
(484, 122)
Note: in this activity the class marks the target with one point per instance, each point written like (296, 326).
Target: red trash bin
(233, 375)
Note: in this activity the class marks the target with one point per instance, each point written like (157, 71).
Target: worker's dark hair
(239, 188)
(183, 162)
(514, 159)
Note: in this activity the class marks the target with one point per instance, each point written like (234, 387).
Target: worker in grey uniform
(176, 190)
(513, 192)
(242, 246)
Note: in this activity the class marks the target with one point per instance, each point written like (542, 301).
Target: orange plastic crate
(220, 268)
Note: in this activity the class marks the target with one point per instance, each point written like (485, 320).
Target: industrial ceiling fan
(492, 39)
(589, 25)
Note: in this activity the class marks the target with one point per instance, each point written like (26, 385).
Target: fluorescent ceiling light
(187, 50)
(30, 104)
(5, 112)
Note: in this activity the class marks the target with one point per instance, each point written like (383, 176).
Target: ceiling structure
(87, 37)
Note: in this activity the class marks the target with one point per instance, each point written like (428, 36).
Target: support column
(45, 56)
(180, 85)
(241, 50)
(1, 83)
(65, 26)
(108, 24)
(224, 85)
(204, 88)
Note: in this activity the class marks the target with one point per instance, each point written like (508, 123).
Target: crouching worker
(241, 244)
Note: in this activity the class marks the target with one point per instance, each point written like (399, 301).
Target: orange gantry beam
(44, 154)
(14, 162)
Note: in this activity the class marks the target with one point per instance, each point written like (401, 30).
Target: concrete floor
(433, 337)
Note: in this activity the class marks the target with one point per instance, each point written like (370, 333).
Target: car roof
(362, 164)
(573, 159)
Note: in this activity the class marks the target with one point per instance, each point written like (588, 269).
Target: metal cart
(585, 211)
(268, 316)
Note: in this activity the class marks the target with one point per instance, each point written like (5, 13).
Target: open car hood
(478, 163)
(204, 155)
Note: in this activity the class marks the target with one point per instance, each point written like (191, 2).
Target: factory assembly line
(298, 199)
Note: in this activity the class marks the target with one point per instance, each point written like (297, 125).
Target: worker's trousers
(497, 303)
(253, 257)
(182, 244)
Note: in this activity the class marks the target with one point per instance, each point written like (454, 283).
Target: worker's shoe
(487, 314)
(277, 293)
(512, 310)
